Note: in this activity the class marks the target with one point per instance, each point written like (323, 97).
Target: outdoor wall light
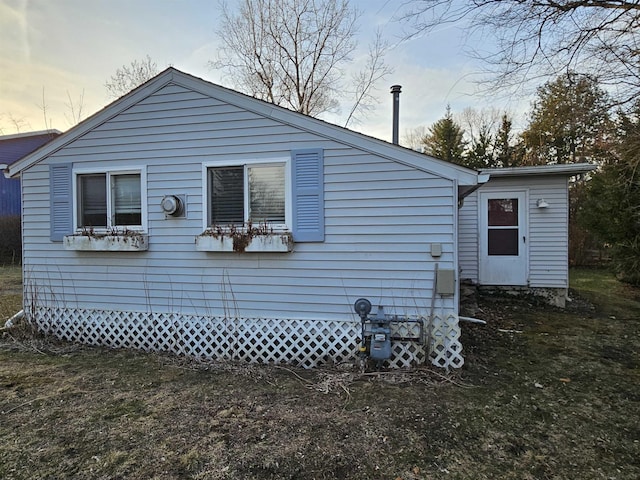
(173, 205)
(541, 203)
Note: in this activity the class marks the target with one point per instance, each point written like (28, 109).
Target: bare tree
(45, 113)
(131, 76)
(75, 109)
(16, 123)
(294, 53)
(479, 123)
(365, 80)
(414, 138)
(541, 39)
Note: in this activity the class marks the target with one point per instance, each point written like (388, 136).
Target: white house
(514, 230)
(135, 232)
(126, 239)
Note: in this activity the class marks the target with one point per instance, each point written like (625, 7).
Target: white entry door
(503, 238)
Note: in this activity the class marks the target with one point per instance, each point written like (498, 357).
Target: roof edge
(341, 134)
(98, 118)
(463, 175)
(568, 169)
(51, 131)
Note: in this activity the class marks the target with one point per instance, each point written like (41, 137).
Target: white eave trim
(12, 136)
(567, 169)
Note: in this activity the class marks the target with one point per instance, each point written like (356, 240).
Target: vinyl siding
(547, 229)
(9, 196)
(468, 239)
(380, 219)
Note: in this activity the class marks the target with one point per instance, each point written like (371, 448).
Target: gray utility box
(446, 282)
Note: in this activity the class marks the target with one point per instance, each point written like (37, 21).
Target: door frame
(523, 235)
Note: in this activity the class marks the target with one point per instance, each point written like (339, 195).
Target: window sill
(274, 243)
(107, 243)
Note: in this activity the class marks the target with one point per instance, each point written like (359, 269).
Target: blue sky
(67, 48)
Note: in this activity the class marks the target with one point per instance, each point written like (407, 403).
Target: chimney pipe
(395, 91)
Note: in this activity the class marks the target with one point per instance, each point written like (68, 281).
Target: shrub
(10, 240)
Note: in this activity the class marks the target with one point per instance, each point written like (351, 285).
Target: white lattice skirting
(306, 343)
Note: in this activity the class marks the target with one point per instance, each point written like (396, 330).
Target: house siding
(9, 196)
(12, 149)
(547, 229)
(380, 219)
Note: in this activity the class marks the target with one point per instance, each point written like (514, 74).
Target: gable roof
(462, 175)
(14, 147)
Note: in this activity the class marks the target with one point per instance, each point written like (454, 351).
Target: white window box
(129, 242)
(273, 242)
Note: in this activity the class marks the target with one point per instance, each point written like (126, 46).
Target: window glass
(92, 208)
(503, 212)
(503, 241)
(266, 186)
(96, 210)
(240, 194)
(127, 206)
(226, 186)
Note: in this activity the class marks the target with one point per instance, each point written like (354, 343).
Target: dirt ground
(544, 394)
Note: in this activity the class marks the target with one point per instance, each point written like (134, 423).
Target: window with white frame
(109, 200)
(253, 193)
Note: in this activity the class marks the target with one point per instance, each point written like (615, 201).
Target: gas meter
(380, 330)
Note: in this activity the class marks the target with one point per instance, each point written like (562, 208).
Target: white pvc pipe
(17, 316)
(472, 320)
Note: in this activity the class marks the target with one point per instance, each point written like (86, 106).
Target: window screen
(126, 202)
(503, 236)
(266, 186)
(92, 207)
(226, 185)
(124, 207)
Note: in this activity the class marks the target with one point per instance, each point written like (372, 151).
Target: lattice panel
(306, 343)
(446, 349)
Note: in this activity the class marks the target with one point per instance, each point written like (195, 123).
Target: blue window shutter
(61, 216)
(307, 180)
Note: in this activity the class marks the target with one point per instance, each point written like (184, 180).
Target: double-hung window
(109, 200)
(254, 192)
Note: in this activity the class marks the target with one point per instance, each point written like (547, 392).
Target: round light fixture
(172, 205)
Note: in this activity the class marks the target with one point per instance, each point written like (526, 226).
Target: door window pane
(92, 208)
(503, 212)
(126, 199)
(503, 241)
(226, 185)
(266, 187)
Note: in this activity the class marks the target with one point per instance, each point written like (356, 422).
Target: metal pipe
(395, 91)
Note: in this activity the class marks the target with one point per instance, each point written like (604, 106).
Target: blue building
(12, 149)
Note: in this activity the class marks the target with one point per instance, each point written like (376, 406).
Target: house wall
(547, 229)
(381, 218)
(9, 196)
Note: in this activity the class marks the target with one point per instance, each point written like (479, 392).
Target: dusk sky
(57, 50)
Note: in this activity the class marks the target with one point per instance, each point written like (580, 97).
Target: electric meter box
(446, 283)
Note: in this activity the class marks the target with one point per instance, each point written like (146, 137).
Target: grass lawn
(10, 291)
(544, 394)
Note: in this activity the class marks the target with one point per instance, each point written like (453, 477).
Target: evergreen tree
(480, 155)
(612, 207)
(445, 140)
(505, 151)
(569, 122)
